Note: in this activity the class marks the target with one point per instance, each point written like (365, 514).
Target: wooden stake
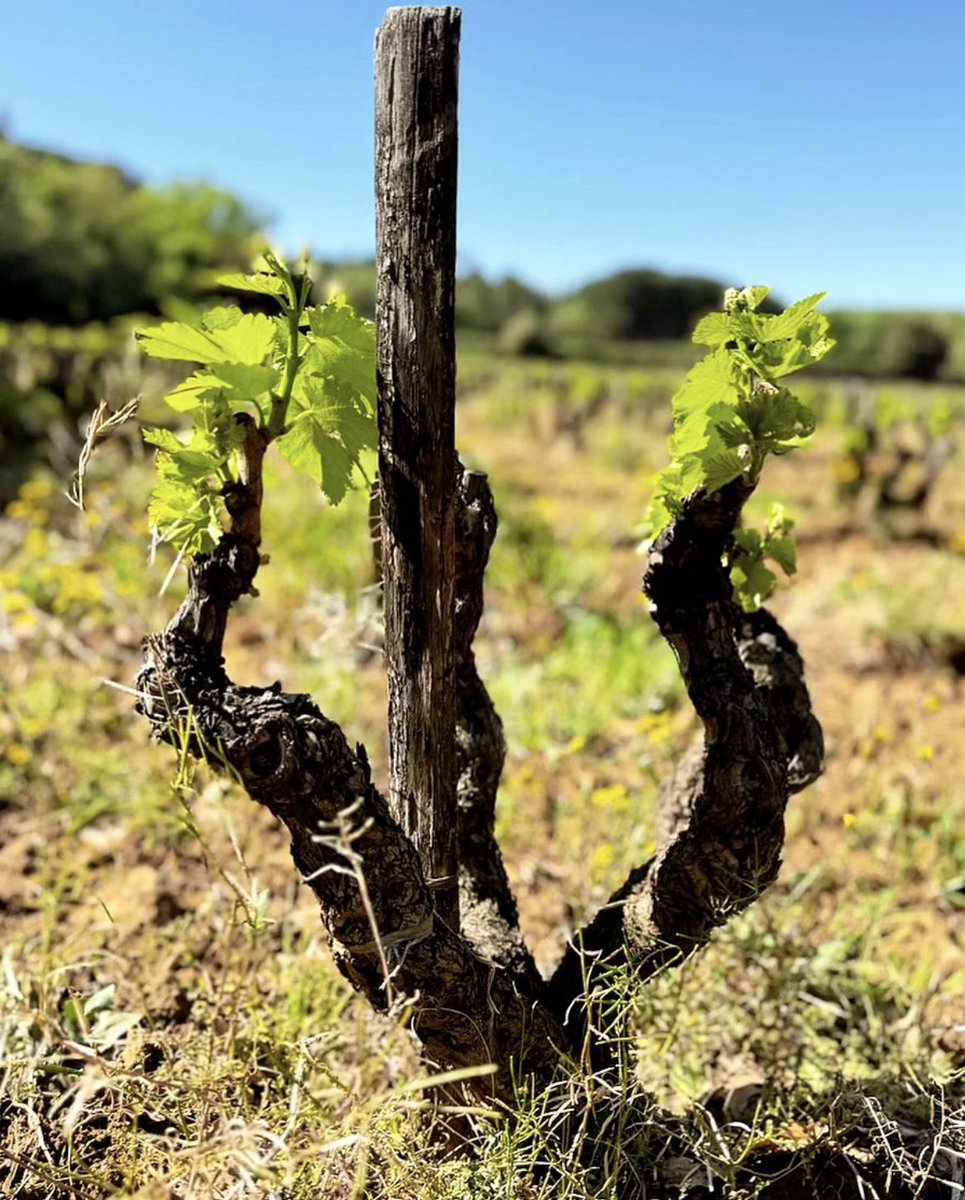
(417, 64)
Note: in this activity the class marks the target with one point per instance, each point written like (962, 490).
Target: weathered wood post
(417, 64)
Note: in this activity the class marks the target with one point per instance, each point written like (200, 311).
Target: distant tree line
(632, 305)
(913, 345)
(643, 305)
(83, 242)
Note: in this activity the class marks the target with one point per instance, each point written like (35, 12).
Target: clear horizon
(749, 144)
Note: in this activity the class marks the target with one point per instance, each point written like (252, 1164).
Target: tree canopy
(85, 241)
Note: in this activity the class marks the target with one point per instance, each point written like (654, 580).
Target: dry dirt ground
(172, 1025)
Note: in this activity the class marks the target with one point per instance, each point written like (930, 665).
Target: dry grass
(171, 1022)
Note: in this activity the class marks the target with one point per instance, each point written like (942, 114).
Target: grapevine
(303, 377)
(731, 413)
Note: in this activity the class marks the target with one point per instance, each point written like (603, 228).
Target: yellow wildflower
(17, 754)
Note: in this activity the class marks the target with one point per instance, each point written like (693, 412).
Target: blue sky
(810, 146)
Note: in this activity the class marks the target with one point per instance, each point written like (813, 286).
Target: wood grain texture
(417, 60)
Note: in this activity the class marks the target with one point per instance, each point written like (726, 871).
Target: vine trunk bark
(390, 875)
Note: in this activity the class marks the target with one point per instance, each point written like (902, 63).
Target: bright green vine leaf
(194, 391)
(795, 319)
(714, 380)
(223, 335)
(237, 383)
(326, 439)
(732, 412)
(261, 283)
(754, 582)
(306, 377)
(713, 330)
(185, 507)
(770, 344)
(341, 347)
(247, 381)
(776, 421)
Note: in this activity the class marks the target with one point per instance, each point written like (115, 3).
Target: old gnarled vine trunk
(424, 911)
(478, 997)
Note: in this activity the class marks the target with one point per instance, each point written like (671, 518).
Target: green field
(171, 1021)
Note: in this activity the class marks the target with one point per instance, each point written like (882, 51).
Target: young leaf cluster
(754, 582)
(304, 375)
(734, 409)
